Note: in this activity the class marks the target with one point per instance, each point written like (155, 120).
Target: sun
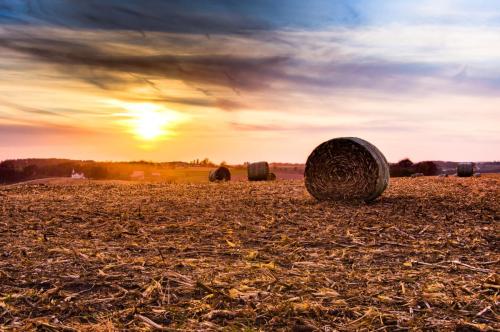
(147, 121)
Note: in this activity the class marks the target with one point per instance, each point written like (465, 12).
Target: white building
(75, 175)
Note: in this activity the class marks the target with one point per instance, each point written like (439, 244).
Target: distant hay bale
(465, 169)
(477, 175)
(346, 168)
(258, 171)
(271, 177)
(220, 174)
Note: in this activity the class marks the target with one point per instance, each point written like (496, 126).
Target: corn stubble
(264, 256)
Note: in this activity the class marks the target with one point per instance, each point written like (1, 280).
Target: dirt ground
(88, 256)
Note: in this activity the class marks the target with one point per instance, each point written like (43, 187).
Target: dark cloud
(97, 63)
(95, 59)
(235, 72)
(101, 68)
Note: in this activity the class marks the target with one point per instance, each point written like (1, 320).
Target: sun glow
(148, 122)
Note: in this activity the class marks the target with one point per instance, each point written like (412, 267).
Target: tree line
(406, 167)
(18, 170)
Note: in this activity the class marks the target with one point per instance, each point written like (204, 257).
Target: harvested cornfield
(346, 168)
(247, 256)
(220, 174)
(465, 169)
(258, 171)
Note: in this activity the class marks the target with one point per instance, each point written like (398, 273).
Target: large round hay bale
(220, 174)
(346, 168)
(258, 171)
(465, 169)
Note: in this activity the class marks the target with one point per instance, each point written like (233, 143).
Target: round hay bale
(220, 174)
(271, 177)
(258, 171)
(346, 168)
(465, 170)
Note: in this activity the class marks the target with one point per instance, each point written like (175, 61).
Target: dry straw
(220, 174)
(346, 168)
(465, 169)
(258, 171)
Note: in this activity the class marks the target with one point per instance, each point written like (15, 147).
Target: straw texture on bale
(346, 168)
(465, 169)
(220, 174)
(258, 171)
(271, 177)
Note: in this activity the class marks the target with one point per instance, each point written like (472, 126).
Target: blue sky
(258, 14)
(419, 79)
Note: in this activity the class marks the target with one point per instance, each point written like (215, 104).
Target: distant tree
(427, 168)
(9, 175)
(223, 163)
(9, 164)
(402, 168)
(30, 171)
(206, 162)
(56, 170)
(97, 172)
(405, 163)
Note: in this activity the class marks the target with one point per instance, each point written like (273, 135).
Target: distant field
(110, 255)
(200, 174)
(182, 175)
(196, 174)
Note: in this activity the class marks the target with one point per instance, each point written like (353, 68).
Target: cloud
(235, 72)
(229, 70)
(369, 126)
(29, 110)
(110, 69)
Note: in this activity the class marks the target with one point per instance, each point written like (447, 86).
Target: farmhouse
(76, 175)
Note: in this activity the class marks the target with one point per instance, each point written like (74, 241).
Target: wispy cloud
(29, 110)
(230, 71)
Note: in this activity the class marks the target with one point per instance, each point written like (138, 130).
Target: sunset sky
(248, 80)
